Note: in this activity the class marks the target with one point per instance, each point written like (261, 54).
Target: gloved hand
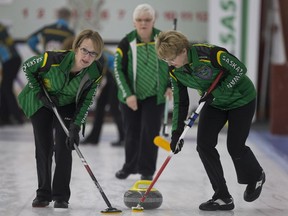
(73, 136)
(42, 96)
(207, 98)
(174, 142)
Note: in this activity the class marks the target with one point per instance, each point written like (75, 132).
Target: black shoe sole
(216, 208)
(122, 175)
(40, 204)
(211, 205)
(149, 178)
(58, 204)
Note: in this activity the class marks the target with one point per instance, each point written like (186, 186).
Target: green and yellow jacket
(206, 61)
(138, 71)
(53, 70)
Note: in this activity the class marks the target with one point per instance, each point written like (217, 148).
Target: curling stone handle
(137, 185)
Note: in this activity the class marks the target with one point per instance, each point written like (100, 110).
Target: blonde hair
(143, 8)
(94, 36)
(68, 43)
(170, 44)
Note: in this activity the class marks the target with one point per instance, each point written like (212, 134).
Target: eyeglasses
(171, 60)
(143, 20)
(84, 51)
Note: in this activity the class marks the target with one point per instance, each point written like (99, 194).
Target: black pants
(108, 96)
(8, 104)
(141, 127)
(44, 122)
(211, 122)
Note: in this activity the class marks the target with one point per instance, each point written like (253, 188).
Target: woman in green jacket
(143, 82)
(233, 100)
(70, 78)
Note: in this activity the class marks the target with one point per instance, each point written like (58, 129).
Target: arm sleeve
(31, 69)
(180, 106)
(84, 103)
(87, 96)
(120, 69)
(234, 70)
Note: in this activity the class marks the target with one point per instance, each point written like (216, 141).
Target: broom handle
(87, 167)
(156, 177)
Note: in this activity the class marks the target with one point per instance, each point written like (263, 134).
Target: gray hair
(143, 8)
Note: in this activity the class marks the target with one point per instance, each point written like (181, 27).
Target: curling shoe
(218, 204)
(253, 190)
(40, 202)
(147, 177)
(121, 174)
(60, 204)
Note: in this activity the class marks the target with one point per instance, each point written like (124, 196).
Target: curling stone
(132, 197)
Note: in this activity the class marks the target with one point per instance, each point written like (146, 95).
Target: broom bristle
(138, 208)
(111, 210)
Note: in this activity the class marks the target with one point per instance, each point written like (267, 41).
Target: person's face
(85, 54)
(144, 25)
(178, 60)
